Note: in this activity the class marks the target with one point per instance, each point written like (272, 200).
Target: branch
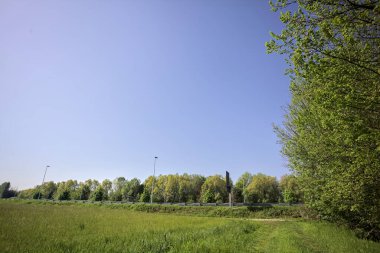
(349, 61)
(361, 6)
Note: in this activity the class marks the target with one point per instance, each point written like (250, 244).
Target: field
(30, 227)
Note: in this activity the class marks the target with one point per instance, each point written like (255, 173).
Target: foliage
(132, 190)
(98, 194)
(107, 187)
(263, 189)
(159, 188)
(63, 191)
(214, 190)
(6, 191)
(172, 188)
(145, 196)
(117, 188)
(331, 133)
(49, 189)
(84, 191)
(290, 189)
(194, 192)
(239, 190)
(26, 194)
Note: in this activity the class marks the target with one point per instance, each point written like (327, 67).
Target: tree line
(258, 188)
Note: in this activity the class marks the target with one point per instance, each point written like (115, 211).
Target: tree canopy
(214, 190)
(262, 189)
(331, 133)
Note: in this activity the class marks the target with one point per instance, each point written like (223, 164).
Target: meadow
(31, 227)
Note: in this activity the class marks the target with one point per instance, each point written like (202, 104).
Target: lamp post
(43, 180)
(154, 173)
(243, 191)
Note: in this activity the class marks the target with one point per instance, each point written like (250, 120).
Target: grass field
(29, 227)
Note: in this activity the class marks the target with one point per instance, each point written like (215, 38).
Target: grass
(31, 227)
(208, 211)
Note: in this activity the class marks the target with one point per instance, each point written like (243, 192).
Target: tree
(36, 193)
(98, 194)
(263, 189)
(107, 186)
(145, 196)
(26, 194)
(132, 190)
(48, 190)
(5, 191)
(196, 182)
(159, 188)
(73, 187)
(171, 193)
(117, 188)
(84, 191)
(63, 192)
(93, 184)
(290, 189)
(214, 190)
(185, 189)
(189, 187)
(331, 133)
(239, 191)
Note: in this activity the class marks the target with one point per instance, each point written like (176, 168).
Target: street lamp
(43, 180)
(154, 173)
(243, 191)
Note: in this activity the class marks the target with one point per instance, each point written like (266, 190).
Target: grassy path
(40, 228)
(300, 236)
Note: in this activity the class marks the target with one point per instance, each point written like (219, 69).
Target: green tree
(26, 194)
(107, 186)
(263, 189)
(36, 193)
(159, 188)
(73, 187)
(132, 190)
(117, 188)
(63, 192)
(93, 184)
(331, 133)
(290, 189)
(189, 187)
(239, 191)
(145, 196)
(98, 194)
(196, 182)
(84, 191)
(48, 190)
(185, 188)
(214, 190)
(171, 193)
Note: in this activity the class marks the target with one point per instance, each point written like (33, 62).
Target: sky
(97, 89)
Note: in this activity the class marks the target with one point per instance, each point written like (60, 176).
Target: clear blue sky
(96, 89)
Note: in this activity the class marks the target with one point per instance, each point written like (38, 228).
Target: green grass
(208, 211)
(87, 228)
